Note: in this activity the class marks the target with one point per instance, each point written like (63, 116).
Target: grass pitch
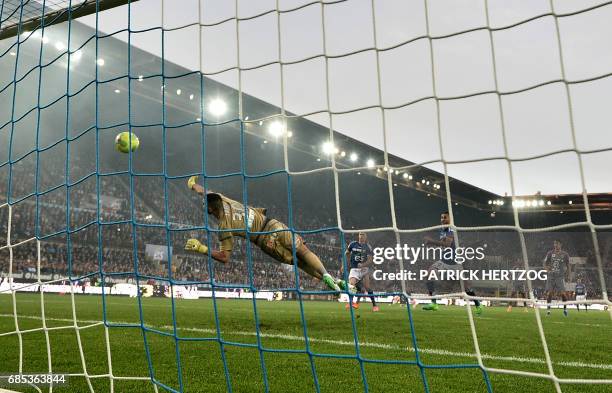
(580, 346)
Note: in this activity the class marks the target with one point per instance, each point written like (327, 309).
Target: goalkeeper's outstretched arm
(191, 183)
(196, 246)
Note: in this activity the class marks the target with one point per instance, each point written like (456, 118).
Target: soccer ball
(122, 142)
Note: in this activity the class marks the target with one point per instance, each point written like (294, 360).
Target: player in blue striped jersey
(446, 239)
(581, 294)
(359, 257)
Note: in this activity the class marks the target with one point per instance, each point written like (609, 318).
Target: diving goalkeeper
(230, 215)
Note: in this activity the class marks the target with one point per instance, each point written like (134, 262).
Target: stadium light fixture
(191, 97)
(353, 157)
(217, 107)
(101, 62)
(289, 134)
(328, 148)
(59, 45)
(13, 53)
(549, 203)
(275, 129)
(571, 202)
(342, 153)
(370, 163)
(178, 92)
(76, 56)
(405, 176)
(140, 78)
(117, 91)
(199, 119)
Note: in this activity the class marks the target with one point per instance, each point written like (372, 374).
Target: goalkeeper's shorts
(279, 245)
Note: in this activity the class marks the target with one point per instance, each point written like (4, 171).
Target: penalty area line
(367, 344)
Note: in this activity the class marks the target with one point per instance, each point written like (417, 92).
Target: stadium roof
(536, 120)
(183, 110)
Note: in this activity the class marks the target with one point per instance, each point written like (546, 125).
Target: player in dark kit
(278, 243)
(446, 239)
(359, 256)
(581, 293)
(556, 263)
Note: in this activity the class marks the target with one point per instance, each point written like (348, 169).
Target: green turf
(580, 346)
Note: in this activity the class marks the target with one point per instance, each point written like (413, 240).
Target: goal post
(30, 15)
(100, 142)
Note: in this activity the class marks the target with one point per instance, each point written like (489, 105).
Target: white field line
(431, 351)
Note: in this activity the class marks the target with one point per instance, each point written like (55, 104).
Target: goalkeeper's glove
(195, 245)
(192, 182)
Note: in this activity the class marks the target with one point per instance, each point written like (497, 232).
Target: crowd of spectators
(102, 237)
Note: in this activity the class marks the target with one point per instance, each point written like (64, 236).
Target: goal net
(336, 118)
